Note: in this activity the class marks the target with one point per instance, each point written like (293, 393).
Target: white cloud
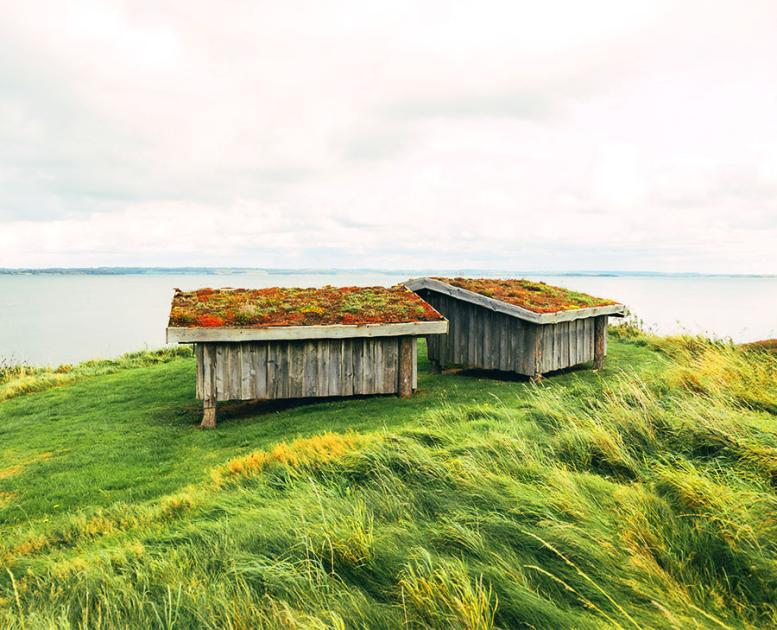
(521, 135)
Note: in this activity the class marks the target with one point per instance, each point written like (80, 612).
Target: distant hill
(121, 271)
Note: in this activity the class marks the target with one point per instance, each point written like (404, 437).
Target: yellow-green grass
(639, 496)
(769, 345)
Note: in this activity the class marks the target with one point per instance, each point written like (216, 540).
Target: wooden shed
(298, 343)
(516, 325)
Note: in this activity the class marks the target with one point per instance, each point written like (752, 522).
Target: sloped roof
(532, 301)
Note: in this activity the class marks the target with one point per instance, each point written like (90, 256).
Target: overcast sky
(518, 135)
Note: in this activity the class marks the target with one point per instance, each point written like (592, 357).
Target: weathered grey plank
(259, 364)
(310, 350)
(391, 366)
(491, 342)
(348, 388)
(405, 380)
(562, 359)
(322, 368)
(453, 340)
(218, 368)
(588, 340)
(278, 378)
(572, 341)
(481, 341)
(548, 348)
(289, 333)
(235, 376)
(370, 371)
(357, 374)
(473, 337)
(534, 348)
(246, 372)
(505, 362)
(447, 342)
(519, 348)
(459, 349)
(495, 341)
(335, 371)
(296, 369)
(377, 363)
(208, 372)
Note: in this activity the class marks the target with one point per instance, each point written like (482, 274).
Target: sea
(66, 317)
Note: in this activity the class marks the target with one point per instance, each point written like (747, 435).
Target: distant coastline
(225, 271)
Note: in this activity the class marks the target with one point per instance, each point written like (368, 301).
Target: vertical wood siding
(300, 369)
(480, 338)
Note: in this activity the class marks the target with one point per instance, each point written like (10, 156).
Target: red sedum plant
(537, 297)
(279, 306)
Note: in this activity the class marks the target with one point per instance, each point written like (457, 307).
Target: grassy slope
(646, 497)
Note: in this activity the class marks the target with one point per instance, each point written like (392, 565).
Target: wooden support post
(208, 414)
(537, 354)
(405, 372)
(600, 341)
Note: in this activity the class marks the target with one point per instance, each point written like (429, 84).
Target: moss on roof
(281, 306)
(537, 297)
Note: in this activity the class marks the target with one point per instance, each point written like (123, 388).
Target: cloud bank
(554, 135)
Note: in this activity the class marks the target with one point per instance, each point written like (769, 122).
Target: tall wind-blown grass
(626, 502)
(17, 379)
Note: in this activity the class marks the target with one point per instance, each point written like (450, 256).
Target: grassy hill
(641, 496)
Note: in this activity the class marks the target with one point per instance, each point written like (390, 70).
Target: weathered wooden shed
(298, 343)
(515, 325)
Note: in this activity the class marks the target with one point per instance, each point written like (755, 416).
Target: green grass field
(643, 496)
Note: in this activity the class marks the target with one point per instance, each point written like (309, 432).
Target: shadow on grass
(513, 377)
(239, 409)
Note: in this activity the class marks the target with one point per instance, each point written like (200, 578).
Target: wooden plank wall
(566, 344)
(482, 338)
(299, 369)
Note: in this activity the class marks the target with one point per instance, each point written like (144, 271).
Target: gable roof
(565, 306)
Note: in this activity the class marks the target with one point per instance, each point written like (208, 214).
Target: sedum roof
(536, 297)
(283, 306)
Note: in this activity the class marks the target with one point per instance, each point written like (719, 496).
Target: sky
(399, 135)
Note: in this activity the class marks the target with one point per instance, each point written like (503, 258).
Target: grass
(769, 345)
(21, 379)
(640, 496)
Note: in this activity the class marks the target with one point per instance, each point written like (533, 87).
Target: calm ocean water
(53, 319)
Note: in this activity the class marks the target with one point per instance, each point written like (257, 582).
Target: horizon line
(225, 270)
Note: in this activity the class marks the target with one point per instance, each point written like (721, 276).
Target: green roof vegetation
(283, 306)
(533, 296)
